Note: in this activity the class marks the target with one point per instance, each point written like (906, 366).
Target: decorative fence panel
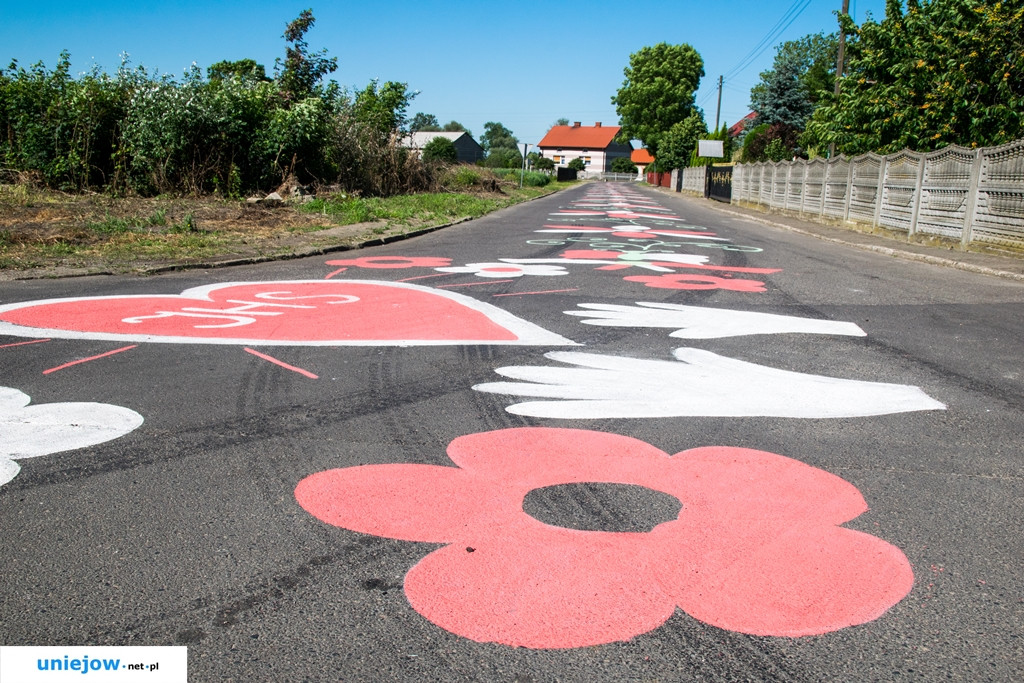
(837, 188)
(999, 209)
(867, 172)
(795, 185)
(945, 192)
(974, 196)
(693, 179)
(814, 186)
(899, 191)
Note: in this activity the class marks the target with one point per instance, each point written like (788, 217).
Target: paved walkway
(1005, 265)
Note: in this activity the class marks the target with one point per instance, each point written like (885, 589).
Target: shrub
(623, 165)
(440, 149)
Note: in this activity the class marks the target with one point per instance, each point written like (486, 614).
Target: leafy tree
(243, 69)
(623, 165)
(578, 164)
(561, 122)
(658, 92)
(382, 107)
(455, 127)
(503, 157)
(678, 144)
(802, 72)
(941, 72)
(542, 163)
(497, 136)
(777, 151)
(440, 149)
(757, 141)
(424, 122)
(302, 70)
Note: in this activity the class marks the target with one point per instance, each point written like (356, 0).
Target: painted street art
(296, 313)
(757, 546)
(697, 383)
(698, 322)
(31, 431)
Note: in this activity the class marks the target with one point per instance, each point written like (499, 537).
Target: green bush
(440, 149)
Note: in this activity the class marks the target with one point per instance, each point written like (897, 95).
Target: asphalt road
(361, 467)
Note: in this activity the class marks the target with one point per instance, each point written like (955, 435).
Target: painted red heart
(302, 312)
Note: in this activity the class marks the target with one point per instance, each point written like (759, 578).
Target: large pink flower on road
(756, 548)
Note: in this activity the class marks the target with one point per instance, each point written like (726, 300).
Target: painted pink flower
(756, 548)
(682, 281)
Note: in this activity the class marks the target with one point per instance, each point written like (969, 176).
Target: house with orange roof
(595, 144)
(641, 158)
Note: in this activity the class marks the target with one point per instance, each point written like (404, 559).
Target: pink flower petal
(407, 502)
(541, 587)
(533, 457)
(737, 484)
(790, 580)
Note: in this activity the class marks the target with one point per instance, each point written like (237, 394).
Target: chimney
(597, 124)
(575, 124)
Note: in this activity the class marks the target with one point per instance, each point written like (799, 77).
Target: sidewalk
(999, 265)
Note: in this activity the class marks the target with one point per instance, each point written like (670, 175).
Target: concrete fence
(975, 196)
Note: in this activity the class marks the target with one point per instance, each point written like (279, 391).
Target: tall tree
(941, 72)
(302, 70)
(421, 121)
(382, 107)
(803, 70)
(454, 127)
(658, 92)
(678, 144)
(243, 69)
(497, 136)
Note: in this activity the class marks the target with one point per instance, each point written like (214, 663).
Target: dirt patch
(47, 234)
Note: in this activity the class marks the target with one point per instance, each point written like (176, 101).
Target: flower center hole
(594, 506)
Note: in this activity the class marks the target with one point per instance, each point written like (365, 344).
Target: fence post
(918, 195)
(971, 209)
(824, 189)
(849, 192)
(883, 167)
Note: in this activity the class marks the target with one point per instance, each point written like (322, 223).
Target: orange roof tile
(580, 137)
(641, 156)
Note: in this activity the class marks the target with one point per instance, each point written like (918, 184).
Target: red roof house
(595, 144)
(741, 125)
(641, 158)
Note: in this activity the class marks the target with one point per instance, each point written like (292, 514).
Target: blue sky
(524, 63)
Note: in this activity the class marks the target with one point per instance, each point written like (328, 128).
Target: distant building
(642, 159)
(595, 144)
(737, 129)
(468, 149)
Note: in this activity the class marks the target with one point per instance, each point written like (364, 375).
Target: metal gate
(719, 183)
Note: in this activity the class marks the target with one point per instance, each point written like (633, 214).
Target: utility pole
(840, 64)
(718, 112)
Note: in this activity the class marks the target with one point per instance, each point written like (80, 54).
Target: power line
(794, 11)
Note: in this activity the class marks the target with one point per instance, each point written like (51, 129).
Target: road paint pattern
(281, 363)
(756, 548)
(698, 322)
(697, 383)
(89, 359)
(300, 313)
(31, 431)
